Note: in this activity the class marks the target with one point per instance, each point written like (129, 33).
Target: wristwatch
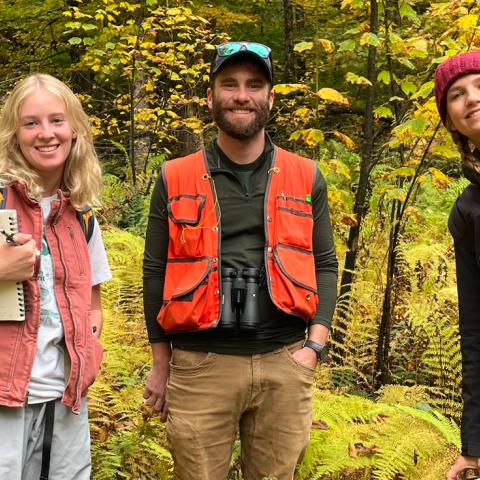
(320, 350)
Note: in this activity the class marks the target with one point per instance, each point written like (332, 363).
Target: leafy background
(354, 91)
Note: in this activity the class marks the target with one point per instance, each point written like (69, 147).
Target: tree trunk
(362, 192)
(289, 53)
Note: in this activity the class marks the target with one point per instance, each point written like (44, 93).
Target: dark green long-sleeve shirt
(241, 192)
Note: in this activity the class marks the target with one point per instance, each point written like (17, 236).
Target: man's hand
(17, 263)
(306, 356)
(462, 463)
(156, 387)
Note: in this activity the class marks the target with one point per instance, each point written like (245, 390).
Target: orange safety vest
(192, 290)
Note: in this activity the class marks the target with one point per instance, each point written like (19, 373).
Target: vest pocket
(294, 279)
(185, 295)
(12, 333)
(186, 209)
(294, 221)
(185, 212)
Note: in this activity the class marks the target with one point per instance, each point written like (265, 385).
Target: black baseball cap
(259, 53)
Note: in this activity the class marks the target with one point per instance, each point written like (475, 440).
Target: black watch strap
(320, 350)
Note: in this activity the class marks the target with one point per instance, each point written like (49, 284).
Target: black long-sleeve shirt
(240, 191)
(464, 225)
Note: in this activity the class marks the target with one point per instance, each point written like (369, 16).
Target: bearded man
(239, 250)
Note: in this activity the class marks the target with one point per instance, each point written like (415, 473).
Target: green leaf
(88, 41)
(370, 39)
(425, 90)
(406, 62)
(73, 25)
(406, 10)
(408, 87)
(89, 26)
(75, 41)
(357, 79)
(347, 46)
(384, 77)
(303, 46)
(415, 126)
(110, 46)
(383, 112)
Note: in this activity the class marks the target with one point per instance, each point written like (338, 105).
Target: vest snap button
(308, 296)
(216, 292)
(215, 229)
(215, 259)
(269, 249)
(269, 219)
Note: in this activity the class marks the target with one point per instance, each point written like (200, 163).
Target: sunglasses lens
(227, 49)
(259, 49)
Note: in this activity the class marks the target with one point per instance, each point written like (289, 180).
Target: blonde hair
(82, 176)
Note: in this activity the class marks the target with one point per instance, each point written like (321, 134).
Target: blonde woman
(48, 173)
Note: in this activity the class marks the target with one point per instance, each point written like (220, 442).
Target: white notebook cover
(12, 301)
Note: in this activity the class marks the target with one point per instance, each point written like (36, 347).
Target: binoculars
(470, 474)
(240, 299)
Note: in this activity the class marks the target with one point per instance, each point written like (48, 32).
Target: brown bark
(366, 164)
(289, 53)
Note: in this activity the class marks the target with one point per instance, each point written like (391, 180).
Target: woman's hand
(17, 262)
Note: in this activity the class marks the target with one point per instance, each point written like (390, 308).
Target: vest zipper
(73, 324)
(219, 236)
(265, 223)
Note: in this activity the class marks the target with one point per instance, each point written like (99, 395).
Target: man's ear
(210, 97)
(271, 98)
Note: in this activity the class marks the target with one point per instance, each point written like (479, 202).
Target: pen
(9, 237)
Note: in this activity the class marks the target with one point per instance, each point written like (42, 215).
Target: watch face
(320, 350)
(323, 354)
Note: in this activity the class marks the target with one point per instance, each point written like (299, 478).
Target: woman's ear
(74, 134)
(449, 125)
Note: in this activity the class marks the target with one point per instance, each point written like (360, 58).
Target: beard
(241, 130)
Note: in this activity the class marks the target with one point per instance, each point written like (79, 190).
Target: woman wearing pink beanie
(457, 92)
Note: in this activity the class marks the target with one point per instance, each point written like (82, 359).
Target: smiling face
(45, 135)
(241, 100)
(463, 107)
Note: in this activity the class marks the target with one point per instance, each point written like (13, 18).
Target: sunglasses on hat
(228, 49)
(225, 51)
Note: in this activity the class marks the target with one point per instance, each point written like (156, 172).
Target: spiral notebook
(12, 300)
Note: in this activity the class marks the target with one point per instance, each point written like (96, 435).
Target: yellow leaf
(286, 88)
(345, 139)
(333, 96)
(467, 21)
(301, 112)
(327, 45)
(439, 179)
(312, 137)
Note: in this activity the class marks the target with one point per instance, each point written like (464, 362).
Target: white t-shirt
(48, 375)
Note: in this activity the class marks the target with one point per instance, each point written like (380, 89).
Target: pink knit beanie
(449, 71)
